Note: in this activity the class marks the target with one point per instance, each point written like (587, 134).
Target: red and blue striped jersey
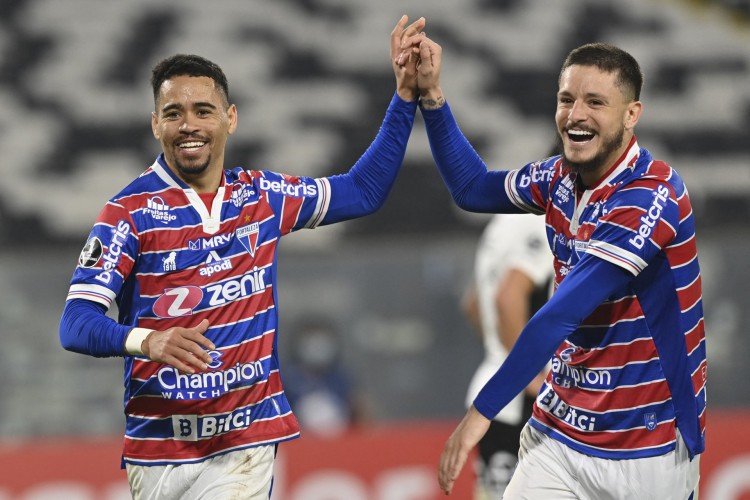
(167, 258)
(170, 257)
(634, 370)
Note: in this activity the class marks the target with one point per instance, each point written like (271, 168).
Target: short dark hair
(188, 65)
(611, 59)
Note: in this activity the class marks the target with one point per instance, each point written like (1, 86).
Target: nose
(577, 112)
(187, 124)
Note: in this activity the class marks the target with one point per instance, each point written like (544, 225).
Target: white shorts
(549, 469)
(246, 474)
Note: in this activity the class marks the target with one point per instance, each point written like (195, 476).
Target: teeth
(195, 144)
(580, 133)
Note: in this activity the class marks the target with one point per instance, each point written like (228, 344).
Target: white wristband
(134, 340)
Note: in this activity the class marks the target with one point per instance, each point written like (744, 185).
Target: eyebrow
(589, 95)
(176, 106)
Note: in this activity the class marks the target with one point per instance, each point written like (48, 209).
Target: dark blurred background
(312, 79)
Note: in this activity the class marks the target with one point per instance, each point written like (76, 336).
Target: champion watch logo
(158, 210)
(248, 236)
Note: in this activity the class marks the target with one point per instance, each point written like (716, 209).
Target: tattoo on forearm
(432, 103)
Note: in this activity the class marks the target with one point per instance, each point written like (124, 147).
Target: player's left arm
(589, 284)
(365, 187)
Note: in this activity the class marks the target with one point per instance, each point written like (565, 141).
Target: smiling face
(192, 121)
(595, 120)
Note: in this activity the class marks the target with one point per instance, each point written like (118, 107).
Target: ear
(154, 123)
(232, 115)
(633, 114)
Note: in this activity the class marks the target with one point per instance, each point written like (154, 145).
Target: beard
(193, 168)
(609, 146)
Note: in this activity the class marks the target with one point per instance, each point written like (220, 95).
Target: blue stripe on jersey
(599, 451)
(656, 292)
(207, 425)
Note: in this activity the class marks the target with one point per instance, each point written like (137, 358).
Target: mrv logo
(114, 251)
(648, 221)
(207, 385)
(218, 241)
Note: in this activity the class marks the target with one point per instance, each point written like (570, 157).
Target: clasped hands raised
(416, 62)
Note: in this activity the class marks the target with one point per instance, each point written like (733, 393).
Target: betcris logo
(652, 216)
(536, 176)
(293, 188)
(114, 251)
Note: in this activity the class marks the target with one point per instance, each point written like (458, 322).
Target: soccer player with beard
(622, 412)
(188, 251)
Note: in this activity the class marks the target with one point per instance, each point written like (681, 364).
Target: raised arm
(472, 186)
(364, 189)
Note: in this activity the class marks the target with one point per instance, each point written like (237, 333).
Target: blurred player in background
(622, 412)
(188, 251)
(321, 388)
(512, 277)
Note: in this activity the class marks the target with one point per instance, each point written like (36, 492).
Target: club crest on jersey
(91, 253)
(650, 419)
(159, 210)
(248, 236)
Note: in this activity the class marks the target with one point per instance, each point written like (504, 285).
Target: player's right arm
(104, 266)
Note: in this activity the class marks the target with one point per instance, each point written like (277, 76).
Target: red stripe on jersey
(681, 253)
(699, 377)
(609, 313)
(690, 295)
(621, 398)
(254, 349)
(159, 407)
(290, 214)
(659, 169)
(614, 355)
(632, 439)
(694, 337)
(686, 209)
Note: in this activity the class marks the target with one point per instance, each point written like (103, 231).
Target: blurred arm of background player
(513, 298)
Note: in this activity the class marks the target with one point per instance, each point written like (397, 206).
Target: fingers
(402, 32)
(452, 461)
(184, 348)
(414, 28)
